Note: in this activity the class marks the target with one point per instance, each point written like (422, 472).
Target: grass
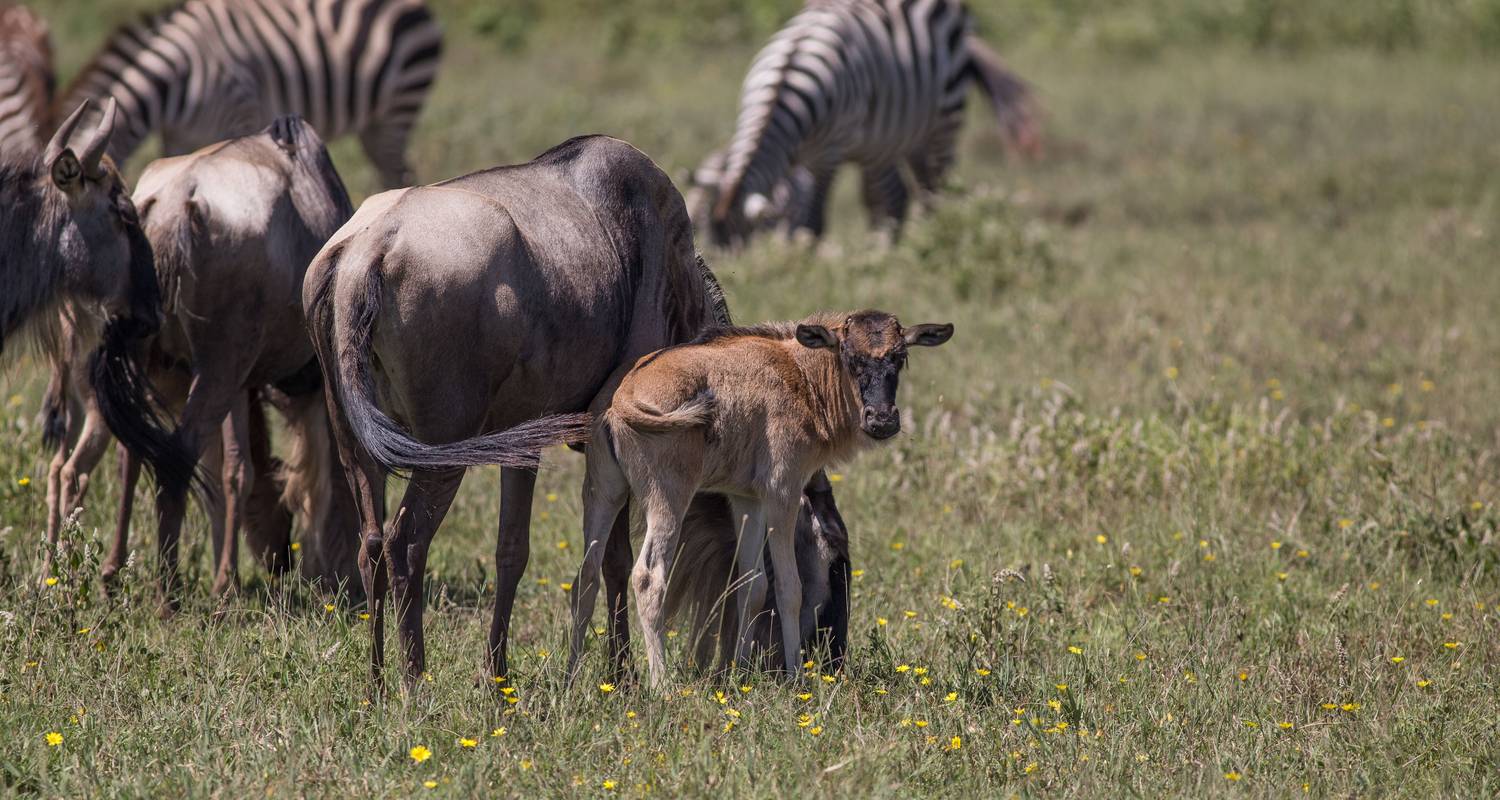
(1222, 391)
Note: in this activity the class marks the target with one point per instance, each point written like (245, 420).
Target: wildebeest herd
(470, 322)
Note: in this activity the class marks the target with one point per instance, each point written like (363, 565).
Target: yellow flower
(982, 672)
(1135, 572)
(910, 614)
(296, 546)
(1231, 776)
(527, 763)
(1397, 659)
(1163, 599)
(955, 743)
(925, 681)
(1423, 683)
(1171, 373)
(1350, 707)
(470, 743)
(562, 544)
(881, 621)
(950, 697)
(919, 671)
(329, 607)
(419, 754)
(1388, 422)
(543, 581)
(552, 497)
(1302, 554)
(921, 723)
(51, 581)
(1431, 601)
(1426, 385)
(1286, 726)
(1275, 545)
(1140, 656)
(1243, 676)
(1452, 645)
(804, 720)
(805, 696)
(1030, 768)
(1075, 649)
(828, 679)
(1330, 706)
(24, 481)
(606, 687)
(834, 477)
(815, 730)
(859, 573)
(1345, 524)
(431, 784)
(898, 545)
(1062, 687)
(609, 785)
(1447, 615)
(364, 616)
(1281, 576)
(54, 739)
(567, 587)
(498, 732)
(1476, 506)
(1101, 538)
(903, 667)
(745, 689)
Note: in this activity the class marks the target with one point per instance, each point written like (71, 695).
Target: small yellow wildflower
(1423, 683)
(919, 671)
(982, 672)
(859, 573)
(419, 754)
(609, 785)
(1062, 687)
(1275, 545)
(567, 587)
(1140, 656)
(497, 733)
(1135, 572)
(955, 563)
(921, 723)
(1345, 524)
(1452, 645)
(910, 614)
(430, 784)
(1302, 554)
(816, 730)
(1232, 776)
(606, 687)
(527, 763)
(468, 743)
(1286, 726)
(950, 697)
(51, 581)
(364, 616)
(1075, 649)
(296, 546)
(898, 545)
(1431, 601)
(24, 482)
(1163, 599)
(1281, 576)
(1101, 539)
(54, 739)
(955, 743)
(882, 621)
(562, 544)
(834, 477)
(1397, 659)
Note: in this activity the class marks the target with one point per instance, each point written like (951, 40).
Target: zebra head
(785, 206)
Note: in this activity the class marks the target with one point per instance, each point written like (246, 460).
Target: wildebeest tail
(1009, 96)
(386, 442)
(644, 419)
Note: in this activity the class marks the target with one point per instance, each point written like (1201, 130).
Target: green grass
(1247, 300)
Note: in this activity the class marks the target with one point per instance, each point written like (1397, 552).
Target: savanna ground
(1223, 390)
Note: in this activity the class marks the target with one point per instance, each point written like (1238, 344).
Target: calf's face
(872, 346)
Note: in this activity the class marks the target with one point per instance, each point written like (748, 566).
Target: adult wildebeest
(234, 226)
(750, 413)
(881, 83)
(71, 233)
(445, 313)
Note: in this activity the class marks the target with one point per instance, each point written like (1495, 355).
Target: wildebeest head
(872, 349)
(71, 230)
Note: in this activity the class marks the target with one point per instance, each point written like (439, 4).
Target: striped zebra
(881, 83)
(208, 70)
(26, 81)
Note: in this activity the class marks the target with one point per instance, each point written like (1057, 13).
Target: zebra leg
(886, 198)
(934, 157)
(812, 216)
(384, 142)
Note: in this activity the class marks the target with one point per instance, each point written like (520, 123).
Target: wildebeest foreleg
(749, 518)
(67, 480)
(422, 510)
(782, 534)
(130, 474)
(512, 552)
(367, 483)
(238, 480)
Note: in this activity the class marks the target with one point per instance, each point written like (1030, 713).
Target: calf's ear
(928, 334)
(816, 336)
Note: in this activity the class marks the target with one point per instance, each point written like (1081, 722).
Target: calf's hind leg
(664, 509)
(605, 494)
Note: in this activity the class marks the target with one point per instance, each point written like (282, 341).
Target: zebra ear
(756, 207)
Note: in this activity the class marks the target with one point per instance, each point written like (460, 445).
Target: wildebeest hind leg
(512, 551)
(422, 510)
(617, 562)
(238, 479)
(119, 551)
(70, 479)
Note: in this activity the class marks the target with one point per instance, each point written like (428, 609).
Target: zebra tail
(1009, 95)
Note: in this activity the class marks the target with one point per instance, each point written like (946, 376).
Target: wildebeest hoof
(167, 609)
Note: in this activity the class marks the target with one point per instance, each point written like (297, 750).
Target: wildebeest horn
(93, 151)
(60, 139)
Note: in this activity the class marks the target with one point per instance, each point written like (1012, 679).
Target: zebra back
(26, 81)
(206, 70)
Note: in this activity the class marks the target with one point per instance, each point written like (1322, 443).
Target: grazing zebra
(881, 83)
(208, 70)
(26, 80)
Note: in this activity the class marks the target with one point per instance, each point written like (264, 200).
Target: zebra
(26, 81)
(207, 70)
(881, 83)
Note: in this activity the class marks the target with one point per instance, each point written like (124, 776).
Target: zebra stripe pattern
(207, 70)
(26, 81)
(881, 83)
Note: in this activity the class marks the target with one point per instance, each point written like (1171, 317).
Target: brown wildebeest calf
(750, 413)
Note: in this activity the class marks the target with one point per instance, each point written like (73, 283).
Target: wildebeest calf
(750, 413)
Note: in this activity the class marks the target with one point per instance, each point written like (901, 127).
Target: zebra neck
(143, 67)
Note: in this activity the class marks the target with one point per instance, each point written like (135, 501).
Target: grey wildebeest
(234, 226)
(751, 413)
